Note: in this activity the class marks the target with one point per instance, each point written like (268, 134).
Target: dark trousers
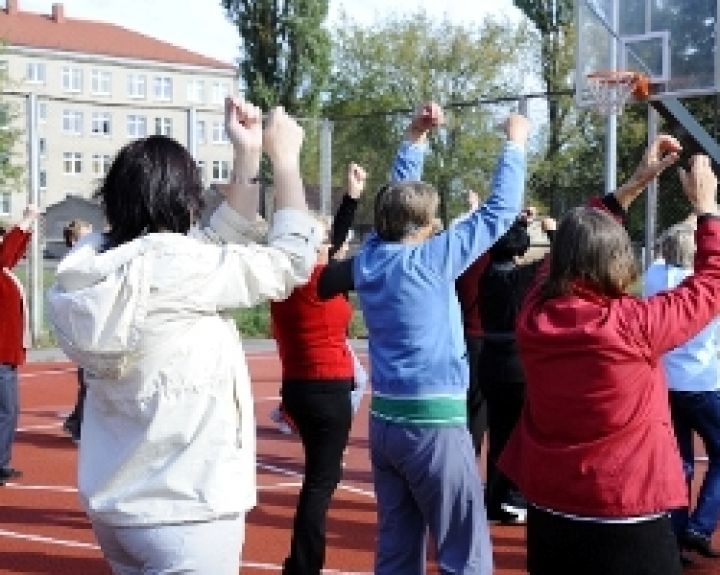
(561, 546)
(504, 405)
(9, 410)
(322, 414)
(476, 406)
(699, 412)
(77, 412)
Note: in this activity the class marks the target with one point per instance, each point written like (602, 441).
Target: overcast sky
(200, 25)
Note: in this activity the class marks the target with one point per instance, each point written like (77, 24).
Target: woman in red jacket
(14, 336)
(594, 451)
(317, 379)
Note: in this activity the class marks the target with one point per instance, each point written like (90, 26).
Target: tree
(285, 52)
(383, 71)
(10, 173)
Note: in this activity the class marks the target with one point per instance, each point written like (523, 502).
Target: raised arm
(14, 244)
(345, 215)
(410, 158)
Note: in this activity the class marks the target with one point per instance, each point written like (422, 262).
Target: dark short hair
(590, 247)
(402, 208)
(514, 243)
(152, 185)
(3, 231)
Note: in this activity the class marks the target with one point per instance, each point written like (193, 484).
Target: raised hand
(517, 129)
(282, 138)
(428, 116)
(356, 178)
(243, 124)
(700, 185)
(661, 154)
(30, 214)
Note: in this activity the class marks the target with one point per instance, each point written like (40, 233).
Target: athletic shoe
(7, 473)
(504, 517)
(284, 423)
(694, 541)
(72, 427)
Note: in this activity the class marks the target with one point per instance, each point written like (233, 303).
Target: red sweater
(12, 249)
(595, 437)
(467, 287)
(311, 334)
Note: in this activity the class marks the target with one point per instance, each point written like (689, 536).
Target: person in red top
(14, 336)
(317, 379)
(594, 451)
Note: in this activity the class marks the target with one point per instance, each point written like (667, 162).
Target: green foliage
(285, 55)
(10, 174)
(396, 64)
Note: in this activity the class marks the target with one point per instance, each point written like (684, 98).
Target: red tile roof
(58, 32)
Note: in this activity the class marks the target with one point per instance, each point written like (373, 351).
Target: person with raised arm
(423, 461)
(594, 452)
(15, 337)
(166, 466)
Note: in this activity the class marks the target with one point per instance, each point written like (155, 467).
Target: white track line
(50, 488)
(42, 539)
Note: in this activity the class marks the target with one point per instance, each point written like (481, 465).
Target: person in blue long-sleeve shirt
(423, 461)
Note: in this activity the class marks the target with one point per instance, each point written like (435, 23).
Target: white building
(97, 86)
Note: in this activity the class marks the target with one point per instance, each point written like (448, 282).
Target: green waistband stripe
(431, 411)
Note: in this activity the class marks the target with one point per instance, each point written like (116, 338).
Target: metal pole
(325, 166)
(192, 132)
(611, 124)
(35, 278)
(651, 196)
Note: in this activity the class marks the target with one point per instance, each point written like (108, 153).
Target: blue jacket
(407, 294)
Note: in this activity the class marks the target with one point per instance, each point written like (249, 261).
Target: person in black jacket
(502, 288)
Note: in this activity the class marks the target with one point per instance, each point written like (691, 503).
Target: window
(35, 73)
(201, 136)
(72, 122)
(136, 126)
(42, 179)
(137, 86)
(72, 163)
(195, 91)
(42, 112)
(42, 147)
(162, 88)
(220, 170)
(101, 123)
(72, 79)
(100, 164)
(101, 82)
(201, 170)
(218, 133)
(5, 203)
(219, 91)
(163, 126)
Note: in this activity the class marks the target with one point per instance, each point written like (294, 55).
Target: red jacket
(12, 249)
(595, 437)
(311, 334)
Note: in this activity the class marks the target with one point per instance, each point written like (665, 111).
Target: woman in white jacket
(167, 459)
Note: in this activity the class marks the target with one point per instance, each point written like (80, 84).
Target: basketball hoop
(612, 89)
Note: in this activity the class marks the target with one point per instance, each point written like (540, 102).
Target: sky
(201, 26)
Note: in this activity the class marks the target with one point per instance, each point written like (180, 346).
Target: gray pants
(426, 478)
(9, 410)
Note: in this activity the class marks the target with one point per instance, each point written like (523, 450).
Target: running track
(44, 531)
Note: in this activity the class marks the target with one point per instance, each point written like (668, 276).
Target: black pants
(561, 546)
(504, 406)
(476, 405)
(322, 413)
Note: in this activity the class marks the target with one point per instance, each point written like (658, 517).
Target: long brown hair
(590, 247)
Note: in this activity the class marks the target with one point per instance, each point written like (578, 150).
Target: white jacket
(168, 432)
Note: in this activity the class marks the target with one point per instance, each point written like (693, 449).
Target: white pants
(203, 548)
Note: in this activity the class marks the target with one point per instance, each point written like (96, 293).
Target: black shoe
(7, 473)
(72, 426)
(693, 541)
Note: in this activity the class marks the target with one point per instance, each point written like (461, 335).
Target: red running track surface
(44, 530)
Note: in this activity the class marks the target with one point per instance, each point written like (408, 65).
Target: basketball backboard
(673, 42)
